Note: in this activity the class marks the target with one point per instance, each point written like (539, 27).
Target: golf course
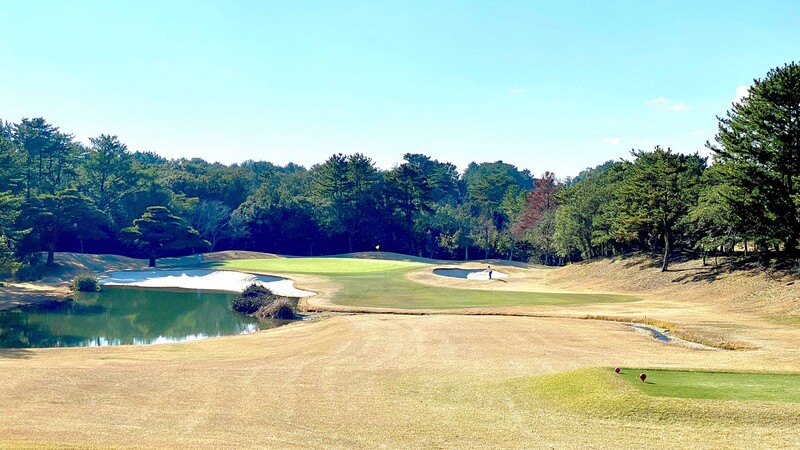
(394, 355)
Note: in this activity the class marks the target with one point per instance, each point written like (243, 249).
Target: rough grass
(691, 336)
(717, 385)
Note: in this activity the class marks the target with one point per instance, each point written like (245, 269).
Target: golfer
(489, 270)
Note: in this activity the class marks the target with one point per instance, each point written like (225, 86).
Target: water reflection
(119, 316)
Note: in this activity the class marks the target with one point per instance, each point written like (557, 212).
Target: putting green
(318, 266)
(717, 385)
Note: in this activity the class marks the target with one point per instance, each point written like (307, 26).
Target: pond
(124, 315)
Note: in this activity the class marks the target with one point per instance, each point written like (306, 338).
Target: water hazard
(118, 316)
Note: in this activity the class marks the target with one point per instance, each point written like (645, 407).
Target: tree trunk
(666, 252)
(81, 239)
(50, 253)
(790, 247)
(152, 261)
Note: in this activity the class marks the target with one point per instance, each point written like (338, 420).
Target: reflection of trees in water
(16, 331)
(124, 316)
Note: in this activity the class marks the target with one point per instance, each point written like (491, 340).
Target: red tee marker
(642, 377)
(616, 369)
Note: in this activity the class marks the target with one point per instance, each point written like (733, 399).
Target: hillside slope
(751, 291)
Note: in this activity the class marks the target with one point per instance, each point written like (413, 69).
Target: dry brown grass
(444, 380)
(704, 338)
(750, 291)
(350, 381)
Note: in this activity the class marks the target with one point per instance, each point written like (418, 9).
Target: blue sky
(553, 86)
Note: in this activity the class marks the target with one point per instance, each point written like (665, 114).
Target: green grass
(717, 385)
(395, 291)
(599, 392)
(382, 284)
(318, 266)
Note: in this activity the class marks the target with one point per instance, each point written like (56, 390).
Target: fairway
(378, 283)
(717, 385)
(317, 266)
(395, 291)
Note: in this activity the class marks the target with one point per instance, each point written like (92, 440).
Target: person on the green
(489, 270)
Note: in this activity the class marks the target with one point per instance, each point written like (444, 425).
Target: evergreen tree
(658, 193)
(158, 231)
(758, 146)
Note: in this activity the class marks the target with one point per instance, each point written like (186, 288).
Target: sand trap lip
(217, 280)
(470, 274)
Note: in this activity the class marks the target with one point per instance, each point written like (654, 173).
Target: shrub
(260, 302)
(282, 308)
(85, 283)
(246, 305)
(256, 290)
(28, 272)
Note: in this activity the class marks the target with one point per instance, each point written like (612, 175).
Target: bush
(256, 290)
(260, 302)
(85, 283)
(28, 272)
(246, 305)
(282, 308)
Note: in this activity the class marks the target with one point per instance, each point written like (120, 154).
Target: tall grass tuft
(85, 283)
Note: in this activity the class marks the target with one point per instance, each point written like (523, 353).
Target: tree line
(57, 194)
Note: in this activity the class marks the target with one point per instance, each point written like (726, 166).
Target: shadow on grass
(15, 353)
(699, 275)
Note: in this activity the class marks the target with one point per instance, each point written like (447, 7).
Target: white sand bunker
(216, 280)
(470, 274)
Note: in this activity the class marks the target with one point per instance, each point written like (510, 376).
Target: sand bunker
(470, 274)
(217, 280)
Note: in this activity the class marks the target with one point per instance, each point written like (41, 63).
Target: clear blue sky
(543, 85)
